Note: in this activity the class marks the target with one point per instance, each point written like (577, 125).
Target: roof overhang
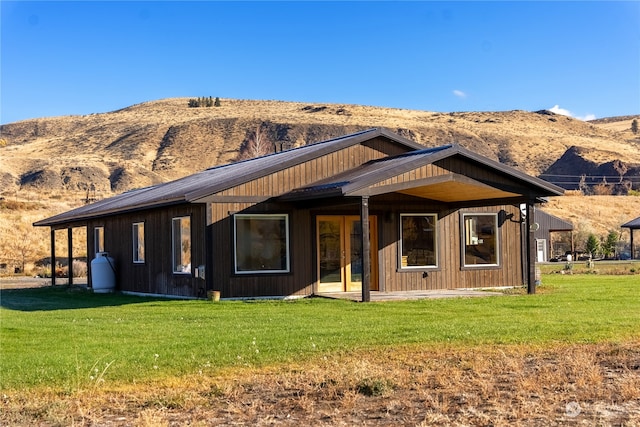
(634, 224)
(448, 188)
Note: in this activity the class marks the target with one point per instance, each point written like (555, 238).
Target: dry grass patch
(590, 384)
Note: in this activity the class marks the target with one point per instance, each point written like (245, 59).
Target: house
(545, 225)
(290, 223)
(632, 225)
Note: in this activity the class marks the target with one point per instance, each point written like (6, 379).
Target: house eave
(63, 219)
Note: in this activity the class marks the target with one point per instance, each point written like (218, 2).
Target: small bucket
(213, 295)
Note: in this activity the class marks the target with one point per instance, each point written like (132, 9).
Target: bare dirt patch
(588, 384)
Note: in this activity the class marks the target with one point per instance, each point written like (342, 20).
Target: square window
(261, 243)
(181, 244)
(418, 241)
(480, 240)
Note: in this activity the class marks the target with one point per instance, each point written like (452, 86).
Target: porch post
(53, 256)
(366, 249)
(631, 234)
(70, 255)
(209, 251)
(530, 248)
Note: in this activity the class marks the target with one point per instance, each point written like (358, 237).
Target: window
(138, 242)
(480, 237)
(261, 243)
(418, 247)
(181, 243)
(98, 239)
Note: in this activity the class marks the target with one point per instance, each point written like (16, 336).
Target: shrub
(374, 387)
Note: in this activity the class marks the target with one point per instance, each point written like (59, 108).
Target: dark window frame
(174, 266)
(139, 257)
(287, 239)
(426, 267)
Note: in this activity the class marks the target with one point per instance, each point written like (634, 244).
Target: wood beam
(53, 256)
(366, 249)
(70, 255)
(530, 248)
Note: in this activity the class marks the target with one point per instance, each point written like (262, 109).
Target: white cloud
(556, 109)
(587, 117)
(459, 93)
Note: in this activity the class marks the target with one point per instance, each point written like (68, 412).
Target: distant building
(632, 225)
(547, 247)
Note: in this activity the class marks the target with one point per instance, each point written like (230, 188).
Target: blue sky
(64, 58)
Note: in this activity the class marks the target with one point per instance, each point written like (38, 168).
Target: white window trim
(134, 239)
(173, 243)
(464, 243)
(235, 243)
(435, 244)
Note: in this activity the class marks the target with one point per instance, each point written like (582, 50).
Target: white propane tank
(103, 273)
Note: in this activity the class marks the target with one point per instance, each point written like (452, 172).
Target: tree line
(204, 101)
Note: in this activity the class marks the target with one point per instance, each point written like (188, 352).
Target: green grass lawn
(69, 339)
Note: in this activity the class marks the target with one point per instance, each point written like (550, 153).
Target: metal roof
(633, 224)
(195, 187)
(548, 222)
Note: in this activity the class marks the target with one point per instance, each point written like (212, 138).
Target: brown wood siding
(314, 170)
(303, 274)
(449, 274)
(299, 281)
(155, 275)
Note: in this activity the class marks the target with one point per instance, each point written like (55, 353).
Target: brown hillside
(64, 161)
(161, 140)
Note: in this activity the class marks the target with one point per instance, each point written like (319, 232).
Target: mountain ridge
(157, 141)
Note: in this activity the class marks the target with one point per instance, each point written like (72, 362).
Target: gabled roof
(633, 224)
(550, 222)
(195, 187)
(366, 179)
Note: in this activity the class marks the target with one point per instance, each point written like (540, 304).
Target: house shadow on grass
(63, 297)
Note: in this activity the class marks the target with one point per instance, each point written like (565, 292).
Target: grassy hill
(49, 165)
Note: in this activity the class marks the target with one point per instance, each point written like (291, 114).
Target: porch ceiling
(445, 188)
(455, 191)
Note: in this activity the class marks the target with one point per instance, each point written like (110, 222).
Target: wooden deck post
(70, 255)
(366, 249)
(530, 248)
(53, 256)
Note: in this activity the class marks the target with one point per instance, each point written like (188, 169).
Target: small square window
(261, 243)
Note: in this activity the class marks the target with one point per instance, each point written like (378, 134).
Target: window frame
(174, 266)
(284, 216)
(427, 267)
(98, 239)
(137, 259)
(463, 241)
